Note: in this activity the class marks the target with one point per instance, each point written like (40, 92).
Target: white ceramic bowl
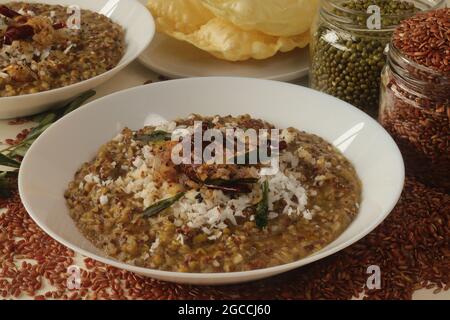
(53, 159)
(140, 29)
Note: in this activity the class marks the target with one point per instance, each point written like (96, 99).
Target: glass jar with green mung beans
(348, 42)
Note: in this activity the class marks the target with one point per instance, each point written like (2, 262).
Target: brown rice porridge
(40, 52)
(213, 222)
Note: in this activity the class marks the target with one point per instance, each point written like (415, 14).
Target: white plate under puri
(178, 59)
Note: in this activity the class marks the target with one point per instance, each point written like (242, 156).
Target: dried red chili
(17, 33)
(7, 12)
(21, 31)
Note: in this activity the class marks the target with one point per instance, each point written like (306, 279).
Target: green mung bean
(347, 59)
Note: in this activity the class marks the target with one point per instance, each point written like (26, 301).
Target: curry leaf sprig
(162, 205)
(225, 182)
(9, 157)
(262, 208)
(241, 185)
(155, 136)
(8, 162)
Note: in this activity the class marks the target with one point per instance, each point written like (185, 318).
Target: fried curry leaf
(155, 136)
(162, 205)
(231, 182)
(233, 185)
(237, 188)
(262, 208)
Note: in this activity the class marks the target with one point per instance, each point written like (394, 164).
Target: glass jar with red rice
(415, 95)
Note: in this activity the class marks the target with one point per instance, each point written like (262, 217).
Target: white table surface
(135, 75)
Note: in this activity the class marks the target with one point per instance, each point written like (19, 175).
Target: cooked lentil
(312, 200)
(56, 57)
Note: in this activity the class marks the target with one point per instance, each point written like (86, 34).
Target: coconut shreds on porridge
(139, 207)
(42, 49)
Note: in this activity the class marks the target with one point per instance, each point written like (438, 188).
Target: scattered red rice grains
(415, 96)
(411, 247)
(18, 121)
(19, 138)
(163, 78)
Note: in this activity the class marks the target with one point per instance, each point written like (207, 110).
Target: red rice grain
(20, 136)
(19, 121)
(411, 247)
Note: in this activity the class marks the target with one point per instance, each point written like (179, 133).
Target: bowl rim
(122, 63)
(219, 276)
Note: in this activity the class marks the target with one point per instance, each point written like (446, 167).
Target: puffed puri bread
(191, 21)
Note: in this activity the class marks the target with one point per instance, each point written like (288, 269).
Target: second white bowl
(139, 31)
